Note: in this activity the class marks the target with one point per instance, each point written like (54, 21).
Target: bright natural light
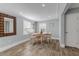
(27, 27)
(42, 26)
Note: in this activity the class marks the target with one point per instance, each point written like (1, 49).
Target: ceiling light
(43, 5)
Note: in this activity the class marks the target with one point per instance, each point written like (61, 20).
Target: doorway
(72, 30)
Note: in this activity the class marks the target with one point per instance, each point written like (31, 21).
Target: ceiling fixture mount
(43, 5)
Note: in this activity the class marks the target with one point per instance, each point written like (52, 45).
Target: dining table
(41, 37)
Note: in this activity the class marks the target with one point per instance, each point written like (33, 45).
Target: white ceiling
(34, 11)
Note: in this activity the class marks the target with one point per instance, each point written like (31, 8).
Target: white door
(72, 30)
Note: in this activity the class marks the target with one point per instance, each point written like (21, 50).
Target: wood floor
(30, 49)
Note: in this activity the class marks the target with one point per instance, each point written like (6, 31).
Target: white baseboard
(17, 43)
(10, 46)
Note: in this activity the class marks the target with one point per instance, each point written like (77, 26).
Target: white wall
(52, 26)
(9, 40)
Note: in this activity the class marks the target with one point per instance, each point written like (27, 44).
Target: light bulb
(43, 5)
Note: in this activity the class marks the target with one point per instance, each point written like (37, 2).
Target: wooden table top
(41, 33)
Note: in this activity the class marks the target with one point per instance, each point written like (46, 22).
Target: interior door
(72, 30)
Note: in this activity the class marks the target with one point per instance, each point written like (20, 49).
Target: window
(27, 27)
(42, 26)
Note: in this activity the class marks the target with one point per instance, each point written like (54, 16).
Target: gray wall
(8, 40)
(35, 24)
(62, 30)
(52, 26)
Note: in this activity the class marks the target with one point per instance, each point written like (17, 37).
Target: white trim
(10, 46)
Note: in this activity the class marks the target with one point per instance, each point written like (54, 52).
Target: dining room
(39, 29)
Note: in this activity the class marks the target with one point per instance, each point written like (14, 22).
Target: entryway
(72, 30)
